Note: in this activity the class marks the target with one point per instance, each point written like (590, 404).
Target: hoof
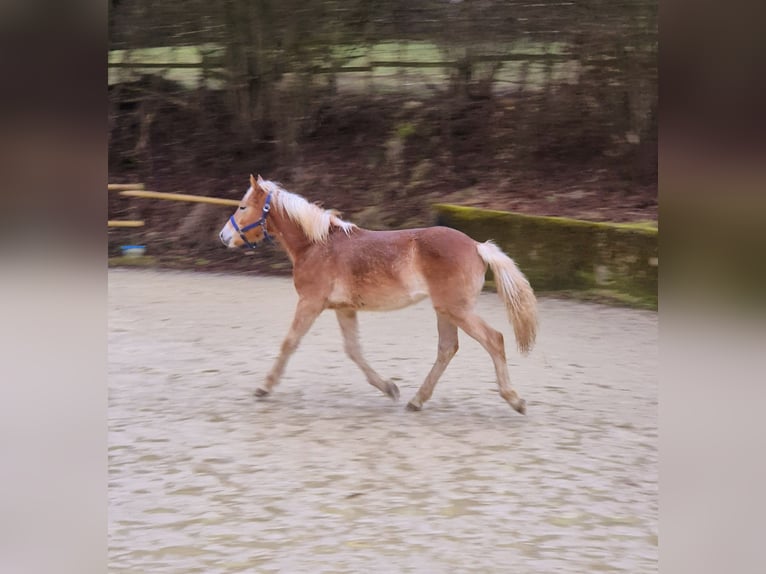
(413, 407)
(259, 392)
(393, 391)
(520, 406)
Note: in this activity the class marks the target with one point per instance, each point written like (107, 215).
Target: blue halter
(260, 223)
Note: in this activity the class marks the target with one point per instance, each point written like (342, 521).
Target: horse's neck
(290, 235)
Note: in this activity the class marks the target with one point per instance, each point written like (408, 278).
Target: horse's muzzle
(225, 237)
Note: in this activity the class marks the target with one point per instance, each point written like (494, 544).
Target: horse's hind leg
(350, 329)
(305, 315)
(492, 341)
(448, 345)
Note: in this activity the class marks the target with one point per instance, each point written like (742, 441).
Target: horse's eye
(242, 206)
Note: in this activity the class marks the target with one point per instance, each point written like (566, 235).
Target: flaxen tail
(516, 293)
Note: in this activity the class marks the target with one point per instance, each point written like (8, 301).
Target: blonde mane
(315, 221)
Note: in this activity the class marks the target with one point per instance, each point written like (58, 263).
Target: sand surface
(329, 475)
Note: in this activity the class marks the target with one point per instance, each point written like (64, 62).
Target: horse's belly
(382, 296)
(391, 302)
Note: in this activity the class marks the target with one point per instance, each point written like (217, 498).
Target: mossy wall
(603, 260)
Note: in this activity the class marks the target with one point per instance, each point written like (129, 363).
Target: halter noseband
(260, 223)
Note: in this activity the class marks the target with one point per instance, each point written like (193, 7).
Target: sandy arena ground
(329, 475)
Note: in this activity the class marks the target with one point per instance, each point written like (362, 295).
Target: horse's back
(366, 249)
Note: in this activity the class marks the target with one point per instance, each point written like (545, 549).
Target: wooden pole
(125, 223)
(179, 197)
(124, 186)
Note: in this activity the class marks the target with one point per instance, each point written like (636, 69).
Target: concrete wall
(616, 262)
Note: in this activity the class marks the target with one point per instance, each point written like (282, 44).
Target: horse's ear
(260, 181)
(253, 183)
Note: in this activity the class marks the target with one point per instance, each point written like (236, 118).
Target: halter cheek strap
(260, 223)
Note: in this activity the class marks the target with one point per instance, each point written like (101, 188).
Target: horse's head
(248, 224)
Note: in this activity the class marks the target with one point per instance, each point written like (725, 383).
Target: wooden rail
(161, 65)
(124, 186)
(552, 58)
(125, 223)
(179, 197)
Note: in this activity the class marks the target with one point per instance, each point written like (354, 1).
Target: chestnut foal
(337, 265)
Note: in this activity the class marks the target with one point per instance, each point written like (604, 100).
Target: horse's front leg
(305, 314)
